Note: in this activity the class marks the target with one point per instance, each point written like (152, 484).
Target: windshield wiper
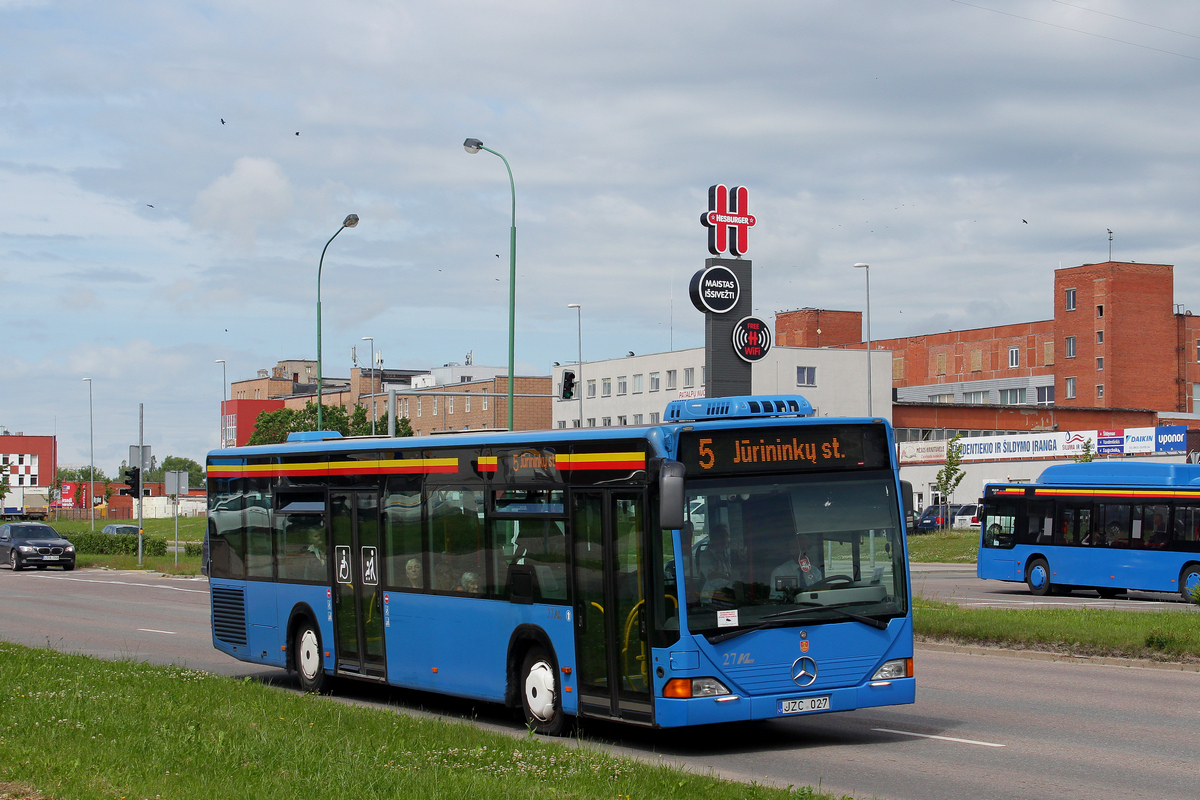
(874, 622)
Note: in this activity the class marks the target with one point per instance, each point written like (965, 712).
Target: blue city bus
(743, 560)
(1102, 525)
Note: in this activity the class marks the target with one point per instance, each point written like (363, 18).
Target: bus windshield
(793, 549)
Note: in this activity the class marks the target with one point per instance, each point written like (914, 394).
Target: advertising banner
(1170, 439)
(1051, 444)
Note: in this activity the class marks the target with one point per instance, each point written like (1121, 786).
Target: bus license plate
(49, 558)
(803, 704)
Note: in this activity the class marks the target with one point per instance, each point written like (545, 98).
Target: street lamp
(221, 436)
(92, 457)
(474, 146)
(867, 267)
(579, 376)
(349, 222)
(372, 341)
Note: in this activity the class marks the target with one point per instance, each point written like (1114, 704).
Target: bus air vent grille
(229, 615)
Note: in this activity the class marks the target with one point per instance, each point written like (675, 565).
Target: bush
(193, 549)
(107, 544)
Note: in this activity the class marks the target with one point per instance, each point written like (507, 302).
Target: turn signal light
(694, 687)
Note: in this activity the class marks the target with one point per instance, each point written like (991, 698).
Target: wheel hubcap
(1038, 576)
(309, 658)
(539, 691)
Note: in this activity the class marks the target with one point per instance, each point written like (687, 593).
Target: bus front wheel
(307, 657)
(1038, 577)
(540, 698)
(1189, 579)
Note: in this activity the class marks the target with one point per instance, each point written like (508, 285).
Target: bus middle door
(358, 595)
(612, 653)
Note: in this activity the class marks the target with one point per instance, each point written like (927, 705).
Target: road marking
(152, 630)
(124, 583)
(943, 738)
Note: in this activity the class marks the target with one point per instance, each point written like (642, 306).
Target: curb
(1042, 655)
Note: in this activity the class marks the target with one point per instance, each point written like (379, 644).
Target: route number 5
(707, 457)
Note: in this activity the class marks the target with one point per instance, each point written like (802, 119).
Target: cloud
(255, 194)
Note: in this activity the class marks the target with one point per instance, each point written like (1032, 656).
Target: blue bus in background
(743, 560)
(1102, 525)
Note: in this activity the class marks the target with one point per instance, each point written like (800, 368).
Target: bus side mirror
(906, 495)
(670, 495)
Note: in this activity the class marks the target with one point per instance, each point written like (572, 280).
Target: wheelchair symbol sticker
(342, 556)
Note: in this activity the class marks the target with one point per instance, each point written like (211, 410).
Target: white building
(636, 389)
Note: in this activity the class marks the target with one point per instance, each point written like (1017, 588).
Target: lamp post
(372, 373)
(579, 338)
(91, 457)
(349, 222)
(474, 146)
(221, 429)
(867, 268)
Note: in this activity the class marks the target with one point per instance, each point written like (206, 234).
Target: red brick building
(28, 460)
(1118, 353)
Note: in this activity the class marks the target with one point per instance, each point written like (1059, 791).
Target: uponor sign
(1057, 444)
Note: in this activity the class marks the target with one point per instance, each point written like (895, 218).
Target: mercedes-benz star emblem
(804, 671)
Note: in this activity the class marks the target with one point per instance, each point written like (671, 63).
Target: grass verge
(77, 727)
(1155, 635)
(191, 529)
(946, 547)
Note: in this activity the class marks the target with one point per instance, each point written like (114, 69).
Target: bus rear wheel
(310, 666)
(1189, 579)
(540, 697)
(1037, 577)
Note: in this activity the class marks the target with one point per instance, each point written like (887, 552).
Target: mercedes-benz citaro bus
(742, 560)
(1110, 526)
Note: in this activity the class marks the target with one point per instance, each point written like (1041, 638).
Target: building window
(976, 398)
(419, 399)
(654, 375)
(1014, 357)
(562, 423)
(574, 423)
(622, 420)
(637, 419)
(1099, 391)
(689, 377)
(653, 417)
(485, 402)
(1070, 299)
(449, 405)
(606, 387)
(606, 422)
(1045, 395)
(806, 376)
(1070, 388)
(670, 379)
(622, 385)
(942, 398)
(591, 388)
(637, 384)
(1099, 311)
(1099, 337)
(467, 404)
(1012, 397)
(434, 398)
(1099, 363)
(591, 422)
(1069, 342)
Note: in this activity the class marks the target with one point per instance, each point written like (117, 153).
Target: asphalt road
(984, 725)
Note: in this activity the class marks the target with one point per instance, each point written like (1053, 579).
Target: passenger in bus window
(470, 583)
(415, 573)
(1158, 532)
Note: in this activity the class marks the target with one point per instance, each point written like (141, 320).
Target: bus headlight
(680, 688)
(896, 668)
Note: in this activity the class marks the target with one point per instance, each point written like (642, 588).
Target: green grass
(76, 727)
(1157, 635)
(191, 529)
(947, 547)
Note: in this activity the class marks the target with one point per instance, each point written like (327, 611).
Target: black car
(936, 517)
(34, 544)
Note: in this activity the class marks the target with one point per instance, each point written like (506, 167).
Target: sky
(170, 172)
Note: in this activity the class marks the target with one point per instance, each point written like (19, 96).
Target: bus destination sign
(801, 449)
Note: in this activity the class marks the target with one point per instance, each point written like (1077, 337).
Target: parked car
(34, 544)
(967, 517)
(936, 517)
(120, 529)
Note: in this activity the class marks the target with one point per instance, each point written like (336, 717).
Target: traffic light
(133, 476)
(568, 385)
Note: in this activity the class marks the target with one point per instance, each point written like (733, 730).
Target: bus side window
(1186, 534)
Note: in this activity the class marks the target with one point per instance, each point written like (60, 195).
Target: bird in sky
(297, 133)
(222, 122)
(1025, 222)
(149, 206)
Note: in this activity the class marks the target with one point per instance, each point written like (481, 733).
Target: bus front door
(358, 595)
(610, 610)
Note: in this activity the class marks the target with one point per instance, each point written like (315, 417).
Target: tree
(950, 475)
(273, 427)
(4, 489)
(1086, 455)
(177, 464)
